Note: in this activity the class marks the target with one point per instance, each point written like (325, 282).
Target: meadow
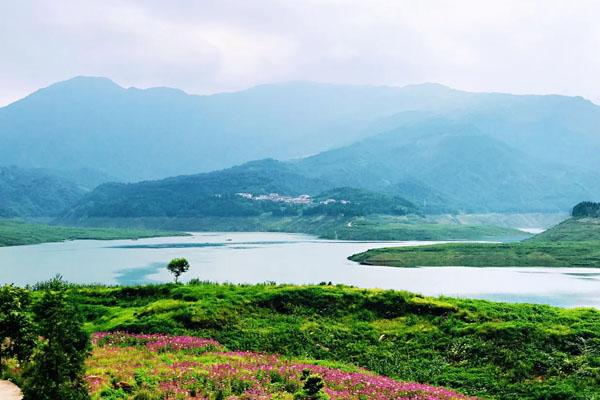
(124, 365)
(370, 227)
(572, 243)
(16, 232)
(523, 254)
(478, 348)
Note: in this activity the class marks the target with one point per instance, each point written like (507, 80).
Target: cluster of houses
(276, 197)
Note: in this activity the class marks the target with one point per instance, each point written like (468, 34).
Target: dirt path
(9, 391)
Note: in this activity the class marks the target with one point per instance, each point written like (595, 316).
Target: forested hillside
(33, 193)
(465, 170)
(253, 189)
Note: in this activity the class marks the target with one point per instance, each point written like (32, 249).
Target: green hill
(219, 193)
(572, 230)
(492, 350)
(265, 187)
(354, 202)
(17, 233)
(572, 243)
(34, 193)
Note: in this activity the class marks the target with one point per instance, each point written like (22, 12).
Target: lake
(287, 258)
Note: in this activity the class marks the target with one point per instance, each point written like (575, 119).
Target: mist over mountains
(442, 149)
(134, 134)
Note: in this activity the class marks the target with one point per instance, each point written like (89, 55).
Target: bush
(312, 389)
(16, 338)
(56, 368)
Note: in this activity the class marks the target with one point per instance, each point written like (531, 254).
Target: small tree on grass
(56, 367)
(312, 388)
(178, 266)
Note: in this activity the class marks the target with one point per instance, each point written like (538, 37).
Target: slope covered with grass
(15, 233)
(572, 230)
(491, 350)
(523, 254)
(145, 366)
(574, 242)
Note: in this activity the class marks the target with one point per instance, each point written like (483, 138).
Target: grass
(14, 233)
(572, 230)
(491, 350)
(534, 254)
(373, 227)
(572, 243)
(161, 366)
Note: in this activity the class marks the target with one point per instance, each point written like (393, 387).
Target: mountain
(32, 193)
(227, 192)
(470, 171)
(133, 134)
(86, 178)
(252, 189)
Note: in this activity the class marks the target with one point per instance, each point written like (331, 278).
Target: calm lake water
(287, 258)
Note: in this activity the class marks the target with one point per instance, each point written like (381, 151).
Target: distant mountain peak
(86, 82)
(430, 85)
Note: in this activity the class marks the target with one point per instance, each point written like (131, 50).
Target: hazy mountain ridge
(443, 149)
(134, 134)
(472, 171)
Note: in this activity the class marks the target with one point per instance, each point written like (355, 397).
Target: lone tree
(178, 266)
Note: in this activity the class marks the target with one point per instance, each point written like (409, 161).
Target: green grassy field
(372, 227)
(14, 233)
(492, 350)
(571, 230)
(572, 243)
(161, 366)
(526, 254)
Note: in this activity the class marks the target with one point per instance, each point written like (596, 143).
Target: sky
(206, 46)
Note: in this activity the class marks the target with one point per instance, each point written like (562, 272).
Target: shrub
(16, 339)
(56, 368)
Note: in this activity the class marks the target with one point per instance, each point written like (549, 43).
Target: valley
(299, 200)
(289, 258)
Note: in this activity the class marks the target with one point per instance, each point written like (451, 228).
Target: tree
(16, 336)
(178, 266)
(586, 209)
(56, 367)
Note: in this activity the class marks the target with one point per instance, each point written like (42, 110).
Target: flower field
(142, 367)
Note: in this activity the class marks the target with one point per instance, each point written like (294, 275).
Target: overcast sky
(207, 46)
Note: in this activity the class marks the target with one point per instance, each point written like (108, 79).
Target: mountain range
(134, 134)
(443, 149)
